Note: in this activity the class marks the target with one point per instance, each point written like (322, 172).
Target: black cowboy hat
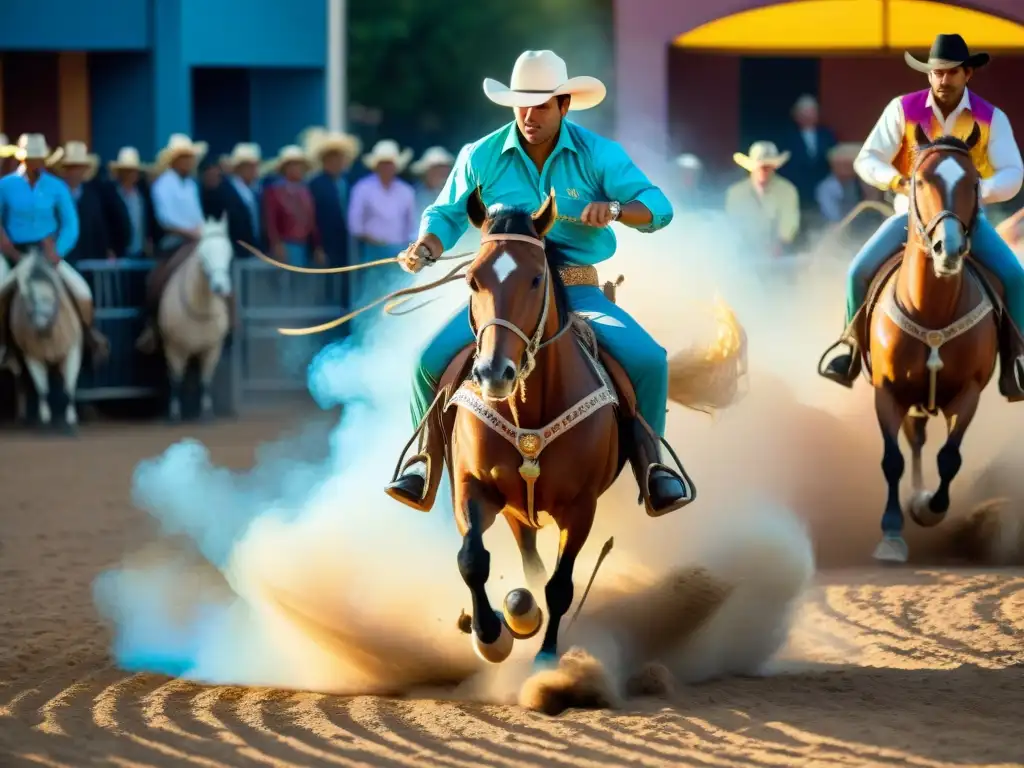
(948, 52)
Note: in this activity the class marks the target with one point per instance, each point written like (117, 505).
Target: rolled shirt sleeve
(1004, 155)
(624, 182)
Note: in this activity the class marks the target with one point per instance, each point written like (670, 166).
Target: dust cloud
(302, 574)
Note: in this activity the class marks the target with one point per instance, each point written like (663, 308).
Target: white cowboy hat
(76, 153)
(848, 150)
(433, 156)
(180, 144)
(687, 160)
(127, 159)
(244, 152)
(292, 153)
(761, 153)
(387, 150)
(33, 146)
(539, 75)
(317, 141)
(6, 148)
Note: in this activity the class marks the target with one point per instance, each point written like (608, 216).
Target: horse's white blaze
(504, 266)
(951, 172)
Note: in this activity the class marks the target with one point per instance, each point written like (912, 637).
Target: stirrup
(679, 473)
(854, 371)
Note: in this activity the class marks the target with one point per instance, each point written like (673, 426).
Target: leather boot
(1011, 362)
(662, 489)
(417, 484)
(844, 368)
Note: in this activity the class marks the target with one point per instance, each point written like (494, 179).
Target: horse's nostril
(937, 247)
(509, 373)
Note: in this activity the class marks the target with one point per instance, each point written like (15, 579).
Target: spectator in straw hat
(8, 163)
(840, 191)
(242, 196)
(432, 169)
(382, 214)
(37, 210)
(765, 207)
(129, 211)
(332, 154)
(77, 166)
(289, 212)
(690, 181)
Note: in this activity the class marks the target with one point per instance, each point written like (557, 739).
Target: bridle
(533, 343)
(927, 230)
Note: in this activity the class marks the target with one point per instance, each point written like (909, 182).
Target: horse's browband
(571, 274)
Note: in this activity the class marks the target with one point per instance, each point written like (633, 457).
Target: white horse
(47, 330)
(194, 315)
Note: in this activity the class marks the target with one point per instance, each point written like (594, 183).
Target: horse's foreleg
(69, 372)
(207, 368)
(931, 509)
(491, 638)
(533, 566)
(41, 379)
(915, 428)
(176, 365)
(890, 414)
(559, 590)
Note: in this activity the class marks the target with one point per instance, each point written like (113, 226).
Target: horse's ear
(920, 136)
(476, 209)
(544, 217)
(975, 136)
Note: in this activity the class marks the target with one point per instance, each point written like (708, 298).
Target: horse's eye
(536, 281)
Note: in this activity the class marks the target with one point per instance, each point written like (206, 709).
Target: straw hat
(6, 148)
(180, 144)
(539, 75)
(689, 161)
(387, 150)
(127, 160)
(76, 154)
(291, 153)
(244, 152)
(848, 151)
(761, 153)
(317, 141)
(432, 157)
(33, 146)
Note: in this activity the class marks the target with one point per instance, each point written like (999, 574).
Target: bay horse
(933, 333)
(47, 331)
(539, 387)
(194, 317)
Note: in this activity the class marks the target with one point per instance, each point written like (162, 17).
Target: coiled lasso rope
(394, 299)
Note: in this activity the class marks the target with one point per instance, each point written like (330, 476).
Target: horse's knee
(559, 592)
(893, 462)
(949, 460)
(474, 561)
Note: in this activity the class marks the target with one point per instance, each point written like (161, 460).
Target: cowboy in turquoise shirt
(595, 183)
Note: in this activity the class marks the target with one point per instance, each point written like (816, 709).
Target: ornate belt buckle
(934, 338)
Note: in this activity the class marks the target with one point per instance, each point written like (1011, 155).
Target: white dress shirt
(874, 163)
(176, 204)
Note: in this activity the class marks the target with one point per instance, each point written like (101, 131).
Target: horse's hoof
(521, 614)
(545, 660)
(891, 549)
(921, 513)
(500, 649)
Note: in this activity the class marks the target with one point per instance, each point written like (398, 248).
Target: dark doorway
(221, 107)
(768, 89)
(31, 95)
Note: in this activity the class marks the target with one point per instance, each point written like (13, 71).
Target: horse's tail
(707, 379)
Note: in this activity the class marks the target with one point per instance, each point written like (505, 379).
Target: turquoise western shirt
(28, 214)
(583, 168)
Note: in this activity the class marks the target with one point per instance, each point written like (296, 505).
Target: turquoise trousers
(644, 360)
(986, 246)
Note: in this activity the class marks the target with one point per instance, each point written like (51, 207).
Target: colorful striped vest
(917, 112)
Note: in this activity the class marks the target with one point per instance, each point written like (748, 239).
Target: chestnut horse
(934, 333)
(561, 396)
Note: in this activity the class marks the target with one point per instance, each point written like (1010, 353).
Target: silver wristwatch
(615, 209)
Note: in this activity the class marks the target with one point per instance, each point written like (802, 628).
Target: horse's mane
(948, 142)
(515, 220)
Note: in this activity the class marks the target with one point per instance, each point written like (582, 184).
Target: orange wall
(73, 97)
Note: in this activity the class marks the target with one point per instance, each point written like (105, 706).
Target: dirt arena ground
(921, 668)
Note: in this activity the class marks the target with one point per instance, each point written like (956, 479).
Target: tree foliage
(421, 62)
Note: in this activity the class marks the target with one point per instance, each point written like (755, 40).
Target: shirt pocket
(570, 208)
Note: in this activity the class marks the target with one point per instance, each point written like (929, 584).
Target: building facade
(710, 78)
(131, 72)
